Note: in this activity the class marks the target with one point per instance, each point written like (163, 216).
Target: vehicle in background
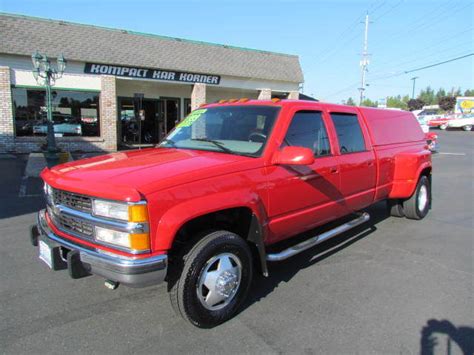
(441, 122)
(424, 125)
(431, 138)
(432, 141)
(64, 125)
(465, 122)
(428, 114)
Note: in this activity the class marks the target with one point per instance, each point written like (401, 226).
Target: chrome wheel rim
(422, 197)
(219, 281)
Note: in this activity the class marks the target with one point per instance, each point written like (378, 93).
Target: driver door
(303, 197)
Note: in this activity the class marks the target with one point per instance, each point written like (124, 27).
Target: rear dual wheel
(417, 206)
(395, 208)
(214, 280)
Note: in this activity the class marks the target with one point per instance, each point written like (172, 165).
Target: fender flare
(177, 216)
(408, 168)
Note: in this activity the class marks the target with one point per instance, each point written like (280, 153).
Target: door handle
(370, 163)
(333, 170)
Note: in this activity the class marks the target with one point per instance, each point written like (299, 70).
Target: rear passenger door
(356, 159)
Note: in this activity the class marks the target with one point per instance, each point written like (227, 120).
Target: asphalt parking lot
(394, 286)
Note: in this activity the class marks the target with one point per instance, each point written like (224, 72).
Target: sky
(326, 35)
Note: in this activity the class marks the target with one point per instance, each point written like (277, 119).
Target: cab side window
(349, 133)
(307, 130)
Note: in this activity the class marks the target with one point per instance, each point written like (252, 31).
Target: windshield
(241, 130)
(421, 120)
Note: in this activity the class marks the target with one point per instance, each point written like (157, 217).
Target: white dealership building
(122, 88)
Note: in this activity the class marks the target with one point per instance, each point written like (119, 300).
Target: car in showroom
(64, 125)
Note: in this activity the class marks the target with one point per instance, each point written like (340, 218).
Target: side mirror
(293, 156)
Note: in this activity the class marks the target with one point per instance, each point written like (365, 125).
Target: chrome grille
(71, 224)
(72, 200)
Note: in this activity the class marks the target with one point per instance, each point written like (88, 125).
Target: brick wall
(198, 96)
(108, 112)
(6, 112)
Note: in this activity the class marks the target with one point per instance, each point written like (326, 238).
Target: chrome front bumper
(134, 272)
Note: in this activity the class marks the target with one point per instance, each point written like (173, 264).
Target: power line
(436, 64)
(428, 20)
(390, 10)
(402, 72)
(435, 55)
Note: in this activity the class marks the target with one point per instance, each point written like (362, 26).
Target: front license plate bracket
(50, 253)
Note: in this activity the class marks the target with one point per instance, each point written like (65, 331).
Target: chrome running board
(298, 248)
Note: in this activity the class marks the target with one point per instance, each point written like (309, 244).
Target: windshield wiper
(216, 143)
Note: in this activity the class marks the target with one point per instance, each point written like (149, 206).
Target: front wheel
(467, 127)
(214, 280)
(443, 126)
(418, 205)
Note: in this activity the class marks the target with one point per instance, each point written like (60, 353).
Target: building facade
(121, 88)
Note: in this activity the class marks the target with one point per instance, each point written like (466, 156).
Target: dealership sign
(156, 74)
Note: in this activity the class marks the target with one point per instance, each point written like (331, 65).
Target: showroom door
(139, 122)
(169, 113)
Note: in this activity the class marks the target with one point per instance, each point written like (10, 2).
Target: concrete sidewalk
(19, 194)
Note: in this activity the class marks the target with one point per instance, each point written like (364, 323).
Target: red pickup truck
(208, 206)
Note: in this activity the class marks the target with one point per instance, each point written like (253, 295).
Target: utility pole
(364, 62)
(413, 91)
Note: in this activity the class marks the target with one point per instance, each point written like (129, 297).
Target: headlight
(131, 241)
(121, 211)
(109, 209)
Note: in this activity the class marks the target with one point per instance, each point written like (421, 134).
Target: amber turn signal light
(138, 213)
(139, 241)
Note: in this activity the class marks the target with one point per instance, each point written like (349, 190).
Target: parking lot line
(458, 154)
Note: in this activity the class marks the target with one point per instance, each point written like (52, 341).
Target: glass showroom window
(75, 113)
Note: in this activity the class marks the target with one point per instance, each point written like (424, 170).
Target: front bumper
(81, 261)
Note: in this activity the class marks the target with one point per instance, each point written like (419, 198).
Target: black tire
(395, 208)
(412, 207)
(184, 291)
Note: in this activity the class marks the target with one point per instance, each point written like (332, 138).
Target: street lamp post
(45, 75)
(413, 91)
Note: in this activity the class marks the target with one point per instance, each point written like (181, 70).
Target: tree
(441, 93)
(469, 92)
(368, 103)
(456, 92)
(447, 103)
(415, 104)
(397, 102)
(427, 96)
(350, 102)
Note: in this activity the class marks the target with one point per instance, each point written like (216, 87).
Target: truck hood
(129, 175)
